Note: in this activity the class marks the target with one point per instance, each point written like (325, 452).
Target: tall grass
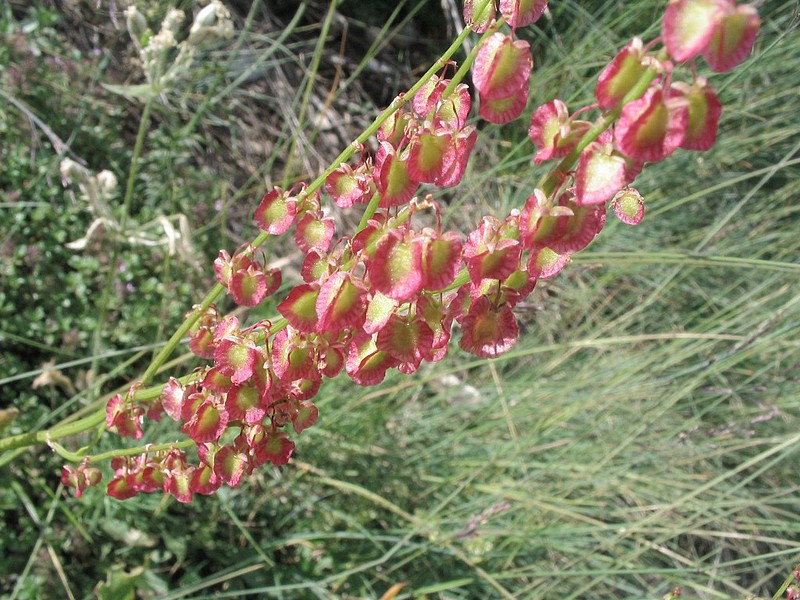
(642, 435)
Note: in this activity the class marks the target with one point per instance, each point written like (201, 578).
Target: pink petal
(243, 403)
(276, 212)
(379, 311)
(172, 398)
(545, 263)
(652, 127)
(504, 110)
(620, 75)
(348, 187)
(248, 287)
(366, 365)
(429, 155)
(405, 340)
(733, 39)
(341, 303)
(502, 67)
(479, 14)
(396, 267)
(441, 260)
(486, 331)
(306, 415)
(547, 122)
(207, 423)
(704, 111)
(689, 25)
(599, 175)
(314, 232)
(392, 178)
(463, 143)
(300, 307)
(519, 13)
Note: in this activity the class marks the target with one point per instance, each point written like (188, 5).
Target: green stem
(123, 220)
(396, 105)
(56, 433)
(97, 335)
(369, 212)
(179, 334)
(137, 152)
(136, 451)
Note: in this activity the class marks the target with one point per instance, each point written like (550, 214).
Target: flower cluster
(388, 296)
(649, 123)
(163, 66)
(80, 477)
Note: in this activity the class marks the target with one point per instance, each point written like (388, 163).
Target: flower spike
(488, 332)
(621, 74)
(391, 295)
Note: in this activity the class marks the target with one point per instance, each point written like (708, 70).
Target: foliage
(637, 440)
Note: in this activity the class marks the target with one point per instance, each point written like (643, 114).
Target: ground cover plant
(637, 438)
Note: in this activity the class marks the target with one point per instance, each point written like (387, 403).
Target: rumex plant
(391, 294)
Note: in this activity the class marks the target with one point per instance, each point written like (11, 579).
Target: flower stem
(179, 334)
(136, 451)
(137, 152)
(396, 104)
(24, 440)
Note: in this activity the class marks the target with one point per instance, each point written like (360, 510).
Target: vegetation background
(641, 437)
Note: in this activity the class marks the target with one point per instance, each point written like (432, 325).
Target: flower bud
(136, 23)
(206, 17)
(210, 24)
(172, 22)
(106, 182)
(73, 171)
(628, 205)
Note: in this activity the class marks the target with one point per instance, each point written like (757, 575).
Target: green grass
(641, 436)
